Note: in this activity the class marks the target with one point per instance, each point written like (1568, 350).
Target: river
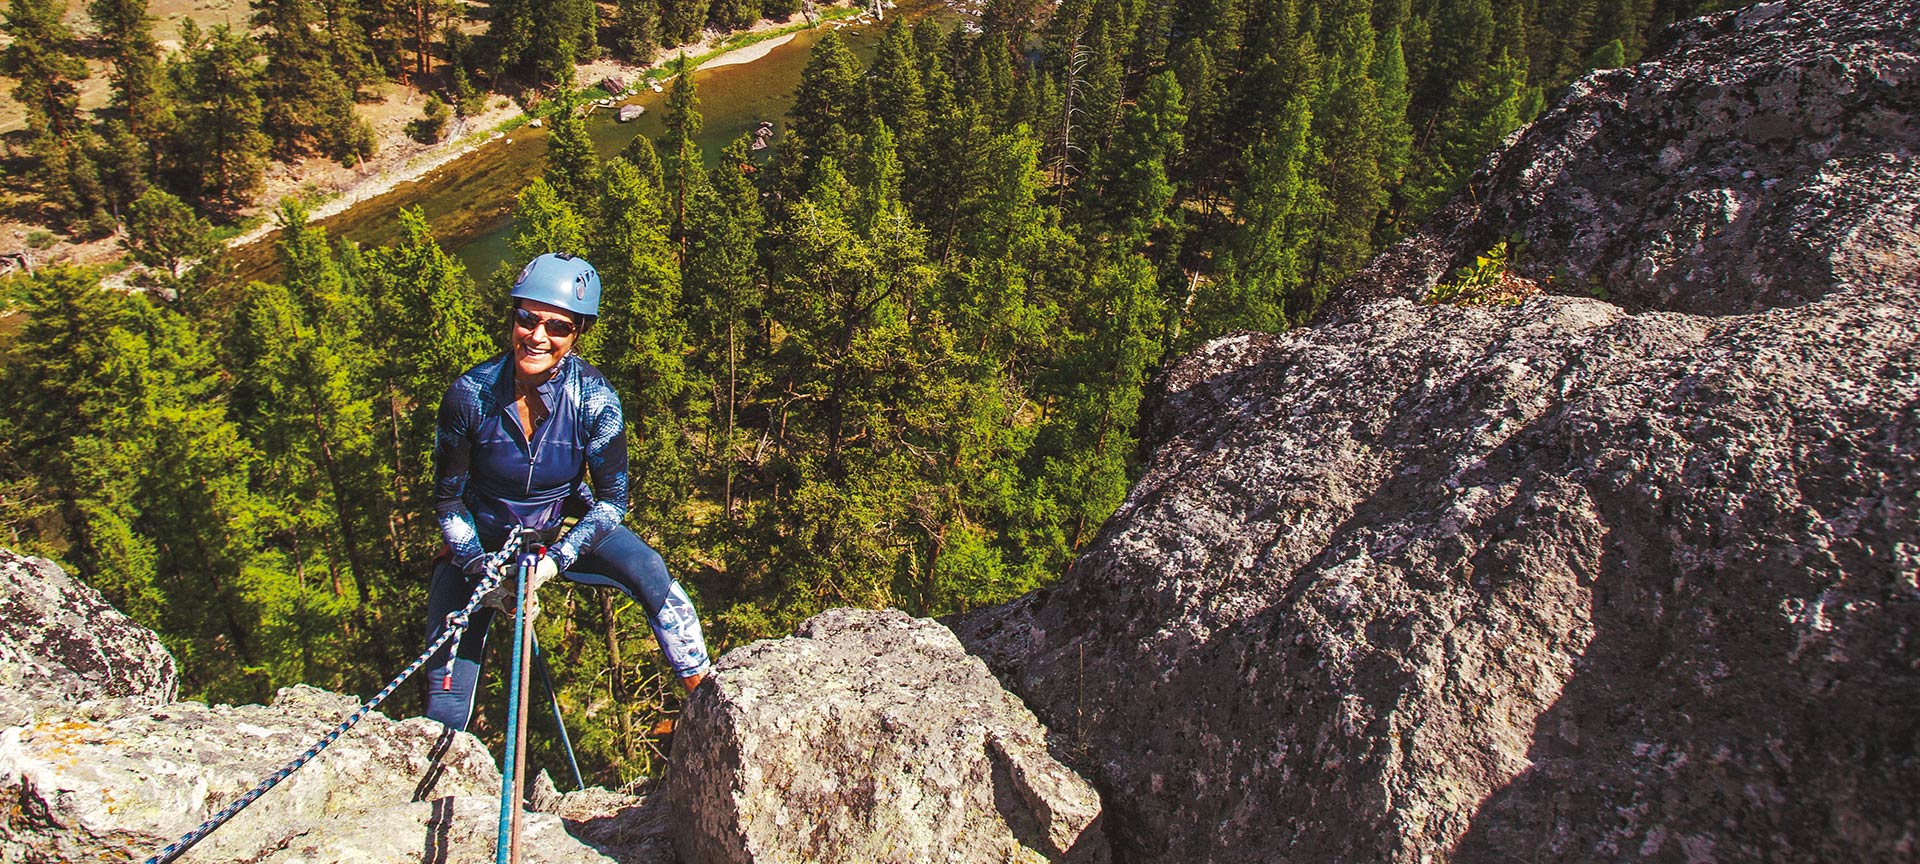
(469, 201)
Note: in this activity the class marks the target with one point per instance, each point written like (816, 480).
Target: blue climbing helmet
(562, 280)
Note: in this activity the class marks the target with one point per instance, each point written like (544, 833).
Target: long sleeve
(607, 466)
(452, 464)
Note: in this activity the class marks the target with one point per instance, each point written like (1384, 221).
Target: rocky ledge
(867, 737)
(98, 764)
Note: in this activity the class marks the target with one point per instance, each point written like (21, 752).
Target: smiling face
(536, 351)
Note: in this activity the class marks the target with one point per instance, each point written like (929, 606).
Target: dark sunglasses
(557, 328)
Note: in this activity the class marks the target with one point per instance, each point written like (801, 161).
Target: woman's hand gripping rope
(496, 589)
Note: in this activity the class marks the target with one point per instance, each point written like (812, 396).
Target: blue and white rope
(457, 621)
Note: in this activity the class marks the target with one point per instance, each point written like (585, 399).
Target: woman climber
(519, 436)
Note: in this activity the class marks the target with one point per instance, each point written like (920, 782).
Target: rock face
(1572, 581)
(1761, 158)
(96, 764)
(61, 641)
(870, 737)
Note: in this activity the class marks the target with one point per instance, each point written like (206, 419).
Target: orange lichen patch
(60, 742)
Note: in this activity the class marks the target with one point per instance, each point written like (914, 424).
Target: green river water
(469, 202)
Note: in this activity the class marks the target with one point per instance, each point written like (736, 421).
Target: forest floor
(326, 185)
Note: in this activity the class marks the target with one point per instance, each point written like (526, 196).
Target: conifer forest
(898, 362)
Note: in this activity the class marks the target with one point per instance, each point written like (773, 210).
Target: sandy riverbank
(414, 162)
(748, 54)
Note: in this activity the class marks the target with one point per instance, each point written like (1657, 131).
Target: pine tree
(44, 59)
(1487, 107)
(349, 44)
(573, 167)
(1264, 287)
(540, 40)
(894, 91)
(854, 443)
(828, 92)
(1153, 37)
(511, 33)
(640, 151)
(727, 15)
(305, 397)
(126, 32)
(68, 378)
(1084, 449)
(308, 105)
(163, 231)
(723, 295)
(636, 30)
(1133, 187)
(119, 410)
(220, 153)
(544, 222)
(460, 60)
(1612, 55)
(680, 161)
(642, 343)
(1389, 74)
(449, 328)
(681, 20)
(1347, 130)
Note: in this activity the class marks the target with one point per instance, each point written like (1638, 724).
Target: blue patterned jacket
(488, 478)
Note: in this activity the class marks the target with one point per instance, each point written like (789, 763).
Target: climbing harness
(457, 621)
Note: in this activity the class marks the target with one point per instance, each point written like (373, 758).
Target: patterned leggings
(622, 561)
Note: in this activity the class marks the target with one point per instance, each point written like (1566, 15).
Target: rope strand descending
(457, 621)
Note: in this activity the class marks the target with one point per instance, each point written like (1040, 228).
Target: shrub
(432, 123)
(1488, 281)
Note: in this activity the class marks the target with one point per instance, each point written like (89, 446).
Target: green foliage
(539, 41)
(1612, 55)
(308, 104)
(163, 231)
(139, 87)
(1488, 281)
(432, 124)
(573, 168)
(681, 20)
(44, 59)
(544, 222)
(636, 27)
(219, 156)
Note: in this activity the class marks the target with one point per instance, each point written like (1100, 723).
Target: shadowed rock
(1759, 158)
(1572, 581)
(870, 737)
